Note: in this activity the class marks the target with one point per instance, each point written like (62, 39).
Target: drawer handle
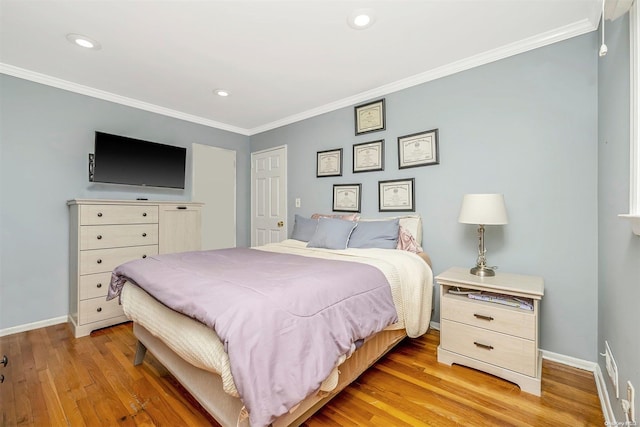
(144, 256)
(485, 346)
(144, 234)
(181, 207)
(99, 214)
(483, 317)
(144, 214)
(99, 285)
(1, 379)
(99, 261)
(99, 236)
(5, 360)
(99, 309)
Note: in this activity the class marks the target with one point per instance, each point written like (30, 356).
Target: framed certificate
(396, 195)
(418, 149)
(370, 117)
(346, 197)
(368, 156)
(329, 163)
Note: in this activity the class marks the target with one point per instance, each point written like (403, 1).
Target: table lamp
(483, 209)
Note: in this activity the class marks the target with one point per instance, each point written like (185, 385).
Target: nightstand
(498, 339)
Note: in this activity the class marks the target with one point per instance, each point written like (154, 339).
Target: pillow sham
(347, 217)
(332, 233)
(407, 242)
(303, 228)
(375, 234)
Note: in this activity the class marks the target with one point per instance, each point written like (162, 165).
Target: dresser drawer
(105, 260)
(113, 236)
(117, 214)
(488, 315)
(94, 285)
(498, 349)
(96, 309)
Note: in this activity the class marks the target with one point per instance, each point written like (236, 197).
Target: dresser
(106, 233)
(498, 339)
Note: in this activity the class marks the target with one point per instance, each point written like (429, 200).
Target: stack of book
(523, 303)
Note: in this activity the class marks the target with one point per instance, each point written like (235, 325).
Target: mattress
(410, 279)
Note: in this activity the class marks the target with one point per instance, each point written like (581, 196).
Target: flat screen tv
(123, 160)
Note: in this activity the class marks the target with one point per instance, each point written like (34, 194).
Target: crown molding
(112, 97)
(559, 34)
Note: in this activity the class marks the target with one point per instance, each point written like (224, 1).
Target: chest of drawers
(105, 234)
(498, 339)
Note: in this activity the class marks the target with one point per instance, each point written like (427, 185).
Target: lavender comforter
(284, 319)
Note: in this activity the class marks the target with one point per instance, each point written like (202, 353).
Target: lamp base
(483, 271)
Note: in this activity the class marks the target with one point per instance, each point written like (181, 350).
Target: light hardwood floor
(53, 379)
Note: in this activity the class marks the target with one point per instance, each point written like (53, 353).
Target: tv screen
(122, 160)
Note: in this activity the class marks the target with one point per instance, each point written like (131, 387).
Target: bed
(203, 356)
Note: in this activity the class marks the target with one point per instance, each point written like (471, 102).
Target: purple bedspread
(284, 319)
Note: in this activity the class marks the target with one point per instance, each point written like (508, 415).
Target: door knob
(280, 224)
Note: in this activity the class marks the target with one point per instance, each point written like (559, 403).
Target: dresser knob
(144, 214)
(144, 256)
(99, 214)
(4, 360)
(99, 261)
(99, 285)
(99, 236)
(99, 309)
(144, 234)
(1, 379)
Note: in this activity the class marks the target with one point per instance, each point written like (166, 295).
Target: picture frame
(346, 197)
(368, 156)
(329, 163)
(370, 117)
(396, 195)
(418, 149)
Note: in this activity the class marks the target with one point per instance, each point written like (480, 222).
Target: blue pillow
(376, 234)
(332, 233)
(303, 228)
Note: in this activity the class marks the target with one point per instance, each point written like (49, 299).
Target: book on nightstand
(523, 303)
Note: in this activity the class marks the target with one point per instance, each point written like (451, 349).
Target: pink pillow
(407, 242)
(347, 217)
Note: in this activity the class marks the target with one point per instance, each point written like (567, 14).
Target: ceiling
(281, 61)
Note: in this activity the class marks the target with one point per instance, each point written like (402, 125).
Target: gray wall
(525, 126)
(619, 249)
(45, 137)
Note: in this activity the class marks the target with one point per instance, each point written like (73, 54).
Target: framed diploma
(368, 156)
(346, 198)
(329, 163)
(370, 117)
(418, 149)
(396, 195)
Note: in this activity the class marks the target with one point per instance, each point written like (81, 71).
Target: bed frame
(206, 387)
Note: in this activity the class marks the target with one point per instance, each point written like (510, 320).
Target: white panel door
(269, 196)
(214, 184)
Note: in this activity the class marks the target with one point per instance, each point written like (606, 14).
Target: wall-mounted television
(122, 160)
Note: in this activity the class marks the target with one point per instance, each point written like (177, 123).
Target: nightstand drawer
(103, 260)
(96, 309)
(114, 214)
(114, 236)
(488, 315)
(498, 349)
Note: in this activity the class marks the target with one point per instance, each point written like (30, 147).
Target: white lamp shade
(483, 209)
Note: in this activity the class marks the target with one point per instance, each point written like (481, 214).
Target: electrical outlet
(612, 367)
(631, 396)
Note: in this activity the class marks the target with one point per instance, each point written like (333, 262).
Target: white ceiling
(282, 61)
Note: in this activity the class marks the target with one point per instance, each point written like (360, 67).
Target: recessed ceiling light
(83, 41)
(360, 19)
(221, 92)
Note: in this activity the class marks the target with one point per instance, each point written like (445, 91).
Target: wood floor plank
(55, 379)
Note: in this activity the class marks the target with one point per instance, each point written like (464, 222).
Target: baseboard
(32, 326)
(435, 325)
(570, 361)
